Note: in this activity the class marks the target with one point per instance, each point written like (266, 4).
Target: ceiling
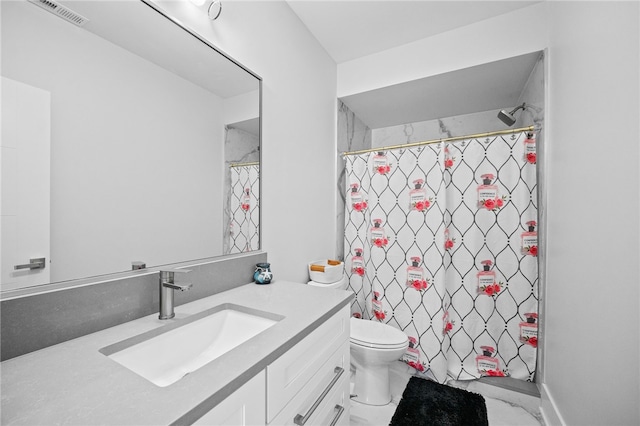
(134, 26)
(350, 29)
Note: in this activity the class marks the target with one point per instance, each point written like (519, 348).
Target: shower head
(507, 117)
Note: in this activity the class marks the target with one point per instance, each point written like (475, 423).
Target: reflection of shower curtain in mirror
(244, 226)
(441, 242)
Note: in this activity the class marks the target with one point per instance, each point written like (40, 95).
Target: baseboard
(515, 385)
(548, 408)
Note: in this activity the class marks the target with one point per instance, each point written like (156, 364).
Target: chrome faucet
(167, 286)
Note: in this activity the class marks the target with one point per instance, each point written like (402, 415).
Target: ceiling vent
(61, 11)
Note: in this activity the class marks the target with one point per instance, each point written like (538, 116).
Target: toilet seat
(373, 334)
(376, 346)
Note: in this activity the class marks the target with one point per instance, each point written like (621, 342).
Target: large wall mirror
(125, 138)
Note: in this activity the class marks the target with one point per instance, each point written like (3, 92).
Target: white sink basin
(165, 355)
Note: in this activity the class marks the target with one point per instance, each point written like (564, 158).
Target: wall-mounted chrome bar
(251, 163)
(36, 263)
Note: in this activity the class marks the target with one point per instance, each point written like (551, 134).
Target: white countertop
(73, 383)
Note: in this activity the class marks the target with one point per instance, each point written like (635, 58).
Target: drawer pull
(339, 409)
(299, 419)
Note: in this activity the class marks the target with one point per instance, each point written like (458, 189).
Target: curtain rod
(254, 163)
(455, 138)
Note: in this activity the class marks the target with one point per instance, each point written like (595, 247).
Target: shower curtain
(244, 205)
(441, 243)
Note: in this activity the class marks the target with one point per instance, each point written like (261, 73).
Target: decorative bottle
(246, 199)
(530, 239)
(357, 262)
(418, 195)
(530, 148)
(378, 236)
(529, 329)
(415, 275)
(487, 362)
(486, 277)
(487, 191)
(354, 195)
(448, 241)
(357, 201)
(376, 303)
(448, 159)
(412, 354)
(448, 324)
(381, 163)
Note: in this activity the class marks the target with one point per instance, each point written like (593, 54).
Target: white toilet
(374, 346)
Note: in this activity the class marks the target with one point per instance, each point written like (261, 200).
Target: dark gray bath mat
(427, 403)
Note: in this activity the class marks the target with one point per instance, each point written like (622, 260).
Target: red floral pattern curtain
(244, 205)
(441, 242)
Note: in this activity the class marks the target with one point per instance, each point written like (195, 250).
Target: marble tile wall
(460, 125)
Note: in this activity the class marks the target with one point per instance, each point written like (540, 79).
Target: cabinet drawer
(334, 410)
(289, 374)
(317, 400)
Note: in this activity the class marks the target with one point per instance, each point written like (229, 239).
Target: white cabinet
(324, 399)
(243, 407)
(308, 385)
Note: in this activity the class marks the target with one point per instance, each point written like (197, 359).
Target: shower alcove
(455, 104)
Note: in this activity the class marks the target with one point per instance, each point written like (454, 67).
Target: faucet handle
(168, 274)
(181, 287)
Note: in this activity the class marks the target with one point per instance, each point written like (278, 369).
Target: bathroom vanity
(296, 371)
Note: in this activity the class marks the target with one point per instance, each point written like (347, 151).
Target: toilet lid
(376, 334)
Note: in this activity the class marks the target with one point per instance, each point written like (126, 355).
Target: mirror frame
(154, 269)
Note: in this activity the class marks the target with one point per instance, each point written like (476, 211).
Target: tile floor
(503, 407)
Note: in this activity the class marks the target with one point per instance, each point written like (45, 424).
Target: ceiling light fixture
(213, 8)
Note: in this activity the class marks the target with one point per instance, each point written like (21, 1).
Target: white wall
(591, 344)
(494, 39)
(298, 123)
(592, 302)
(242, 107)
(120, 170)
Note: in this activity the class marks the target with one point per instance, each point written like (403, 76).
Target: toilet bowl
(373, 347)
